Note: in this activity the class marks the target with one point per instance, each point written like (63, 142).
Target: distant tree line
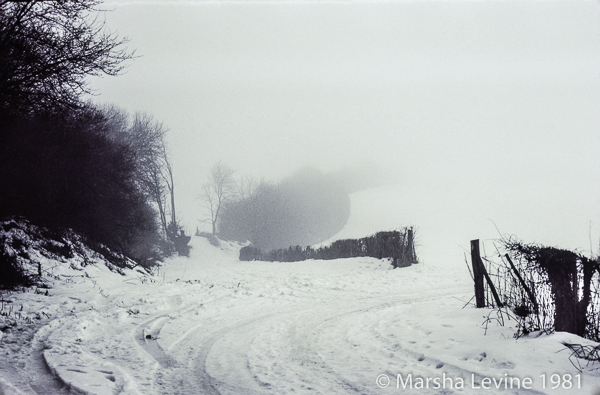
(304, 209)
(397, 245)
(65, 163)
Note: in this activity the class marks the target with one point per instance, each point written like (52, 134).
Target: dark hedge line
(397, 245)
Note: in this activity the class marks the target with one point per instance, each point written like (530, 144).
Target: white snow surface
(210, 324)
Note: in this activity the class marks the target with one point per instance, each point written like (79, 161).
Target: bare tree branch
(49, 48)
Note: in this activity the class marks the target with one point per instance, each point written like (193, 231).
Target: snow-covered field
(210, 324)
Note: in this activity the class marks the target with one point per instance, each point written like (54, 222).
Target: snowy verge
(43, 327)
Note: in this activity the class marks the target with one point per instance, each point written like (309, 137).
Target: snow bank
(51, 320)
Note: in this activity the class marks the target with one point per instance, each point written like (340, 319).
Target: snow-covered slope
(210, 324)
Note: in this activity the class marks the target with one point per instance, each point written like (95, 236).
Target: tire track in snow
(43, 382)
(311, 368)
(239, 338)
(418, 362)
(147, 340)
(316, 329)
(239, 333)
(146, 335)
(220, 362)
(214, 386)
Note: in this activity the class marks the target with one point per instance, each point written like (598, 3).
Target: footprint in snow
(502, 365)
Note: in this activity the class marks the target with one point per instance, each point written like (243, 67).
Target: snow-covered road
(311, 327)
(293, 346)
(210, 324)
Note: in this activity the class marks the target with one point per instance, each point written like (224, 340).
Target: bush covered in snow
(24, 248)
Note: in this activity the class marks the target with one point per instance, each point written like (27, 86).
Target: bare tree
(145, 137)
(154, 173)
(49, 48)
(170, 184)
(219, 188)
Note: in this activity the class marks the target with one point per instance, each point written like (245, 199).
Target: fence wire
(531, 298)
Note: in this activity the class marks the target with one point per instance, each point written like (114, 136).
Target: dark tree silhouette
(65, 171)
(63, 162)
(48, 48)
(304, 209)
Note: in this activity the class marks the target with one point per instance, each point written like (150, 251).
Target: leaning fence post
(477, 274)
(477, 262)
(536, 307)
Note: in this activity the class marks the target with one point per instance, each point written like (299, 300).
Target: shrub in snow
(549, 289)
(25, 248)
(180, 241)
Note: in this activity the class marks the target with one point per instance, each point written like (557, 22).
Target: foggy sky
(479, 111)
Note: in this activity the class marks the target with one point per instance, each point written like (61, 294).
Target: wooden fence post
(411, 246)
(477, 274)
(477, 262)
